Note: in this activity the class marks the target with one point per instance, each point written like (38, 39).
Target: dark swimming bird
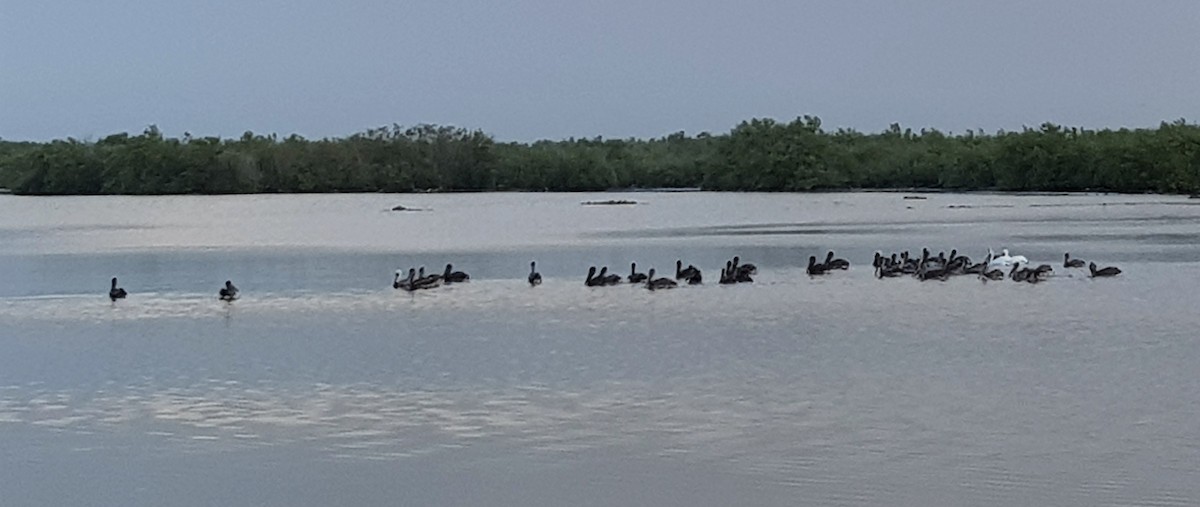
(413, 283)
(734, 274)
(995, 274)
(406, 283)
(426, 282)
(1019, 274)
(592, 280)
(681, 273)
(1035, 275)
(888, 272)
(725, 278)
(936, 263)
(416, 282)
(115, 293)
(229, 292)
(814, 268)
(634, 276)
(1109, 271)
(957, 264)
(940, 274)
(885, 267)
(661, 283)
(607, 279)
(535, 278)
(1016, 274)
(746, 268)
(694, 278)
(831, 263)
(455, 276)
(1068, 262)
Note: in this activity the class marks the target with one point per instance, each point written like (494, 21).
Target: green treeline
(757, 155)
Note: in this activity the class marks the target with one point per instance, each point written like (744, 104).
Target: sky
(547, 69)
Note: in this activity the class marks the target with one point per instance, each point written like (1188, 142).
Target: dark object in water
(914, 198)
(658, 283)
(634, 276)
(535, 278)
(115, 293)
(611, 202)
(229, 292)
(1098, 273)
(400, 208)
(450, 276)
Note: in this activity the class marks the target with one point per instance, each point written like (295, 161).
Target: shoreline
(913, 190)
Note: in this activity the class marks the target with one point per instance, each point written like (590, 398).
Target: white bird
(1005, 260)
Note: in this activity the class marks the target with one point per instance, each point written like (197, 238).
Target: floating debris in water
(971, 206)
(613, 202)
(915, 197)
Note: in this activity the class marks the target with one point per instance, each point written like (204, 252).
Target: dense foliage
(759, 154)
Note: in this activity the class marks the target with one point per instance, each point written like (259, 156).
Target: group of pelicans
(925, 267)
(733, 272)
(993, 267)
(418, 280)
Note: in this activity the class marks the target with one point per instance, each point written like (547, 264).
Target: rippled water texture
(324, 386)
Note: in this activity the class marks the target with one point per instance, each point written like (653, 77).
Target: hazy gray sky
(524, 70)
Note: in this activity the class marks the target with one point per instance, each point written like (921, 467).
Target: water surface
(323, 385)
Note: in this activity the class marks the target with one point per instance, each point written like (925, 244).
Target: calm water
(323, 386)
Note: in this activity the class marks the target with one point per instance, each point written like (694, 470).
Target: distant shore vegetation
(756, 155)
